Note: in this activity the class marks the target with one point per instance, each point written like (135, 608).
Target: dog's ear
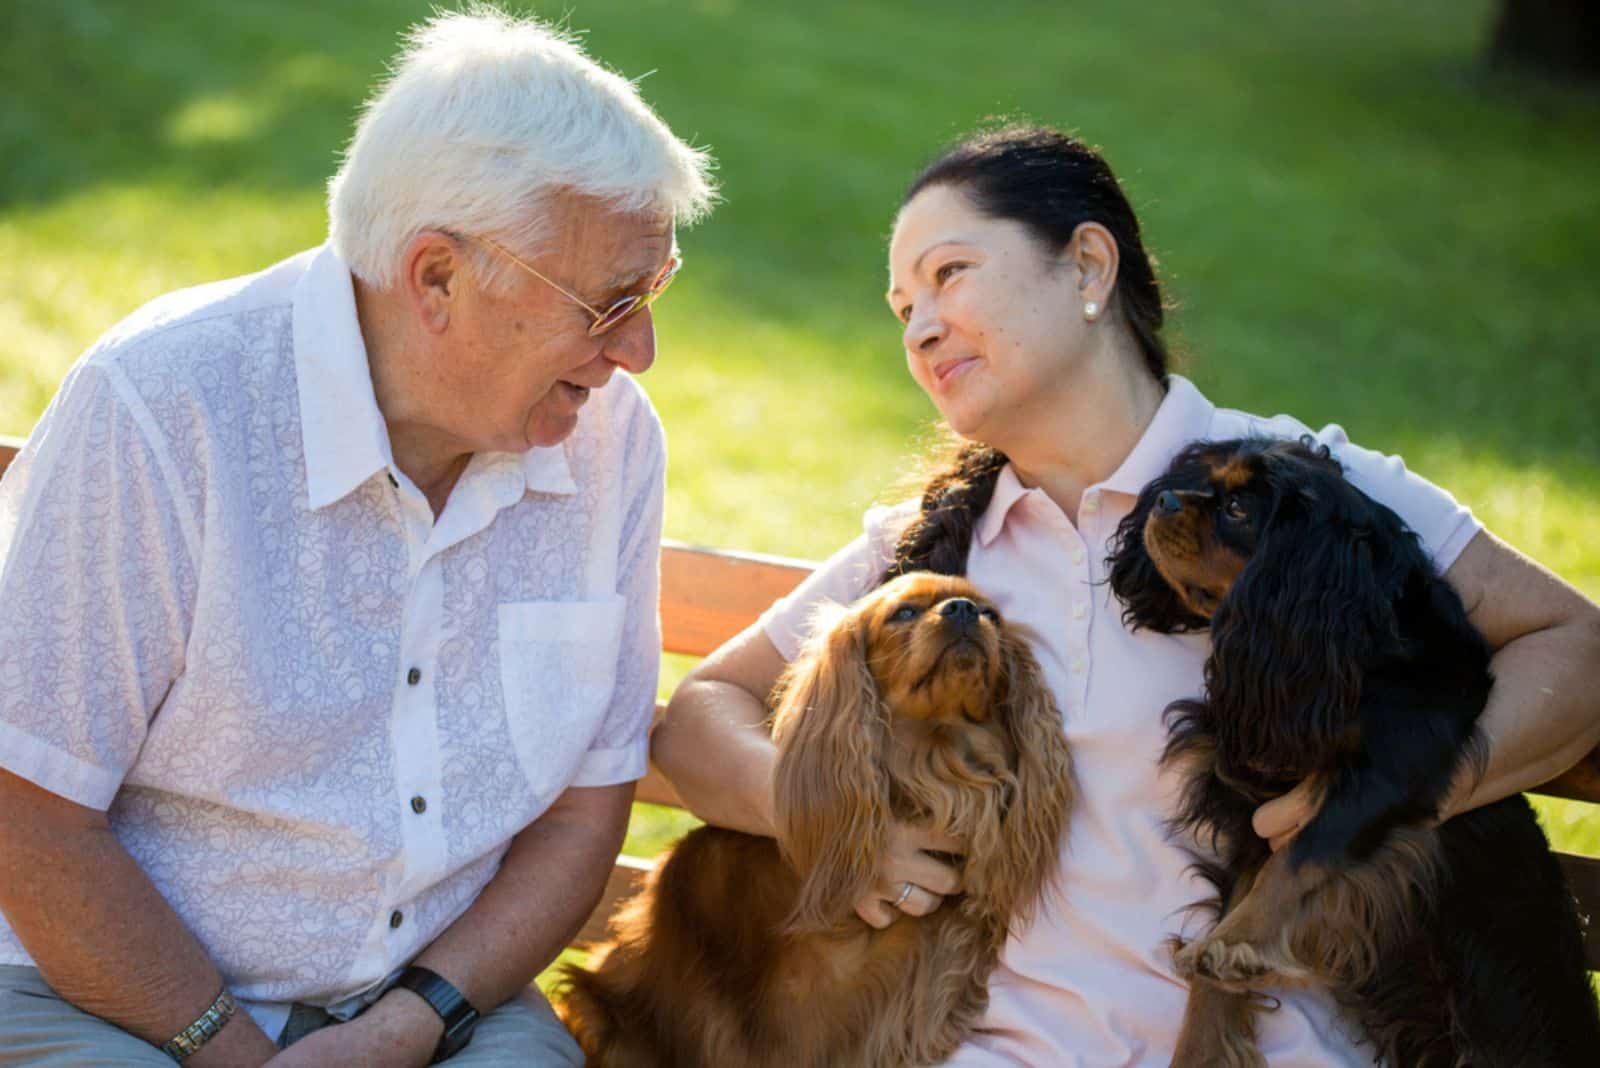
(830, 785)
(1148, 600)
(1013, 869)
(1316, 599)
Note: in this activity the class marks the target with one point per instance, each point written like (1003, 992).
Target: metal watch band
(186, 1042)
(460, 1018)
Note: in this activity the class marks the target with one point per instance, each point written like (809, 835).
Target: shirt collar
(1183, 416)
(345, 438)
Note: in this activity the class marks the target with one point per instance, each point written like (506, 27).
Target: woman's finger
(1284, 815)
(930, 873)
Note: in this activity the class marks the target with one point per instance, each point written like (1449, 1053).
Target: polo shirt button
(414, 676)
(396, 918)
(1090, 505)
(1077, 554)
(419, 804)
(1079, 666)
(1079, 610)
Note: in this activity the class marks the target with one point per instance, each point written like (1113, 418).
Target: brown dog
(916, 705)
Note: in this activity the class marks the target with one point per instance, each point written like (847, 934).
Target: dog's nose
(959, 610)
(1168, 502)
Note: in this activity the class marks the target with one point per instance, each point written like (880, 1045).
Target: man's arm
(101, 934)
(548, 883)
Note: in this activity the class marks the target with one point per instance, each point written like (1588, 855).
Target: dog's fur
(1340, 656)
(917, 704)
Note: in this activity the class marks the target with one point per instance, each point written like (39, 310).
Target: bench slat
(709, 595)
(627, 877)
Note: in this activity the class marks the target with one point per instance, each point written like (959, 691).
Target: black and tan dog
(1340, 656)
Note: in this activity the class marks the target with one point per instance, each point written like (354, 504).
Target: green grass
(1357, 226)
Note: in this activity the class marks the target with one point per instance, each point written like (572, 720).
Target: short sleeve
(841, 579)
(1444, 524)
(621, 749)
(97, 584)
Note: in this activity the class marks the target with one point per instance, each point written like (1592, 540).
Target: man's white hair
(483, 118)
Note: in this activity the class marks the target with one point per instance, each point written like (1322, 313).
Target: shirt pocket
(558, 667)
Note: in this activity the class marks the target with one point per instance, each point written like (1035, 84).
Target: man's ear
(432, 272)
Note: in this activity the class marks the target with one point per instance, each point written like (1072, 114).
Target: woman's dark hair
(1051, 183)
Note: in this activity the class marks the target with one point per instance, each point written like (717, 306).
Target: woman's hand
(909, 879)
(1280, 819)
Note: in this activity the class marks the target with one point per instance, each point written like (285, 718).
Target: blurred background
(1383, 215)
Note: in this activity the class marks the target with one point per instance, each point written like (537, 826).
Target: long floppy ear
(1291, 639)
(1148, 601)
(830, 786)
(1025, 856)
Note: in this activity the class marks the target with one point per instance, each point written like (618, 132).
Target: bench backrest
(709, 595)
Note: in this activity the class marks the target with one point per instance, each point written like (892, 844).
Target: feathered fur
(916, 704)
(1340, 656)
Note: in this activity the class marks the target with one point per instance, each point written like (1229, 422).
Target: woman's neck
(1085, 432)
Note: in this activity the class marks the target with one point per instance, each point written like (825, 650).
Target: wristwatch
(460, 1018)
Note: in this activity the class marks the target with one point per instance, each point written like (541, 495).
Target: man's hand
(1280, 819)
(399, 1030)
(906, 864)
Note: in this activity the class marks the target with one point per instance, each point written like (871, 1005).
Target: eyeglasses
(620, 309)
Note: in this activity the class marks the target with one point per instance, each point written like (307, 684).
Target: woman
(1032, 319)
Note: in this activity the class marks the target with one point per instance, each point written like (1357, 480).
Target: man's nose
(632, 345)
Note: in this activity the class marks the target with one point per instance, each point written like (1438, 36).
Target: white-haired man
(329, 599)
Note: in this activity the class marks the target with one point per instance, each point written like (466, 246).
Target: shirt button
(1079, 666)
(1077, 554)
(396, 918)
(419, 804)
(1080, 610)
(1090, 505)
(414, 676)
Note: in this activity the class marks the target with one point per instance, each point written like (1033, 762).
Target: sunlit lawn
(1356, 226)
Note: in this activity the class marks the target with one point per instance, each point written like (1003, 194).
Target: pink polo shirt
(1088, 983)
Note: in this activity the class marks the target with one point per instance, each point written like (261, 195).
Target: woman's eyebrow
(916, 264)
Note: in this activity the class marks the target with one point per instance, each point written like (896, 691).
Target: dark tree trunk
(1554, 38)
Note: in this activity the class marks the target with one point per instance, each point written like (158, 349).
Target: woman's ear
(1093, 251)
(830, 787)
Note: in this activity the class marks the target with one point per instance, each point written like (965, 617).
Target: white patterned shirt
(315, 715)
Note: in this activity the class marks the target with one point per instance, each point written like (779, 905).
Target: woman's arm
(714, 746)
(1543, 714)
(713, 743)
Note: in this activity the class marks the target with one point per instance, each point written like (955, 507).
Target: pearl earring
(1091, 310)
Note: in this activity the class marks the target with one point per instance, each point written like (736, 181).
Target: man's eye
(1234, 507)
(904, 614)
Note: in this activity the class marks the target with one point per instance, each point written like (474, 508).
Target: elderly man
(329, 599)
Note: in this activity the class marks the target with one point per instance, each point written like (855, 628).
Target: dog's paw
(1237, 966)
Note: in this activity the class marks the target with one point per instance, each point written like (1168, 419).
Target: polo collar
(1184, 415)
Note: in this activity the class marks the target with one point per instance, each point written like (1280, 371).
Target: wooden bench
(709, 595)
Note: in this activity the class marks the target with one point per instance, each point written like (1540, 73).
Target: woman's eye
(942, 275)
(903, 614)
(904, 314)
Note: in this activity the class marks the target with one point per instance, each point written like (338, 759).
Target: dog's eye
(1234, 507)
(905, 613)
(990, 614)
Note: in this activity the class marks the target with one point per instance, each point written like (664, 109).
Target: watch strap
(460, 1018)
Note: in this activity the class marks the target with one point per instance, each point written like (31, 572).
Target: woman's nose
(923, 331)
